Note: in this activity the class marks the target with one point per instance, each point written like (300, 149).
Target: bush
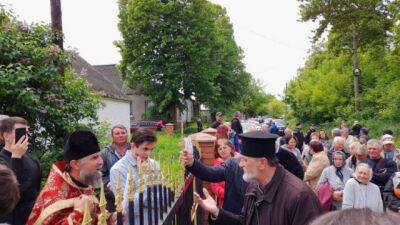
(34, 87)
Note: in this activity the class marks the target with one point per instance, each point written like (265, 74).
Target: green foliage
(34, 88)
(175, 50)
(254, 101)
(275, 108)
(322, 91)
(232, 80)
(371, 19)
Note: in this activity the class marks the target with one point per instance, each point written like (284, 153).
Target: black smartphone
(19, 132)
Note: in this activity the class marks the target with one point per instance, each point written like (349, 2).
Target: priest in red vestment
(70, 184)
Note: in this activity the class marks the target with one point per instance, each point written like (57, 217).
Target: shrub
(38, 84)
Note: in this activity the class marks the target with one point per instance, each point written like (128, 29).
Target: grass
(167, 153)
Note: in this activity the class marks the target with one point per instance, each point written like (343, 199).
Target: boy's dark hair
(142, 135)
(9, 191)
(7, 124)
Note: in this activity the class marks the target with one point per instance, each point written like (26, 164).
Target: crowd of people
(261, 177)
(344, 170)
(72, 180)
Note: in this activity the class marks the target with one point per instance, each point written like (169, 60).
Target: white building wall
(138, 105)
(115, 112)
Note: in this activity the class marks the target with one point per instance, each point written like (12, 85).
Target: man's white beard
(250, 177)
(92, 179)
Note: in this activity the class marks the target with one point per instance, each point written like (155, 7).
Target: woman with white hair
(359, 155)
(359, 192)
(338, 144)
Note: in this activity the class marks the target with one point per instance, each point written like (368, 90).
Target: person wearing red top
(223, 151)
(222, 132)
(71, 183)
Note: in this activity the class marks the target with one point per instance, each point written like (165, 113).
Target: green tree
(254, 101)
(32, 87)
(276, 108)
(167, 49)
(353, 24)
(232, 80)
(175, 50)
(322, 89)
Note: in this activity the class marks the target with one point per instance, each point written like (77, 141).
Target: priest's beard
(250, 177)
(92, 179)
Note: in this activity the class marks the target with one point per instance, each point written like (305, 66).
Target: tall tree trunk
(56, 24)
(56, 21)
(356, 71)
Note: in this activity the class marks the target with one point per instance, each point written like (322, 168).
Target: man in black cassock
(274, 195)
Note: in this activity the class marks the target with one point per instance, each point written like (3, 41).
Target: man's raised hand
(19, 149)
(208, 203)
(186, 158)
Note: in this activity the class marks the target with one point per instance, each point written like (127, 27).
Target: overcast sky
(275, 44)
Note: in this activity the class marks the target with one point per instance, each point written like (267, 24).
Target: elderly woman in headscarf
(336, 175)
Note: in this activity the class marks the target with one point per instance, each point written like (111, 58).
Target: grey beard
(93, 179)
(250, 177)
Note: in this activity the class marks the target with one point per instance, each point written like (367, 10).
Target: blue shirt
(122, 167)
(390, 154)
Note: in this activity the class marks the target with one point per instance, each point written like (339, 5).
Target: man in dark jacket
(25, 166)
(289, 161)
(235, 187)
(382, 168)
(274, 196)
(235, 123)
(111, 154)
(218, 120)
(231, 172)
(391, 193)
(299, 136)
(311, 130)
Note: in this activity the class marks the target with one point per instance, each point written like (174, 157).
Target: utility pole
(56, 25)
(356, 71)
(56, 21)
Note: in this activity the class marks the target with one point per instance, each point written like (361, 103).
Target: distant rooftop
(104, 78)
